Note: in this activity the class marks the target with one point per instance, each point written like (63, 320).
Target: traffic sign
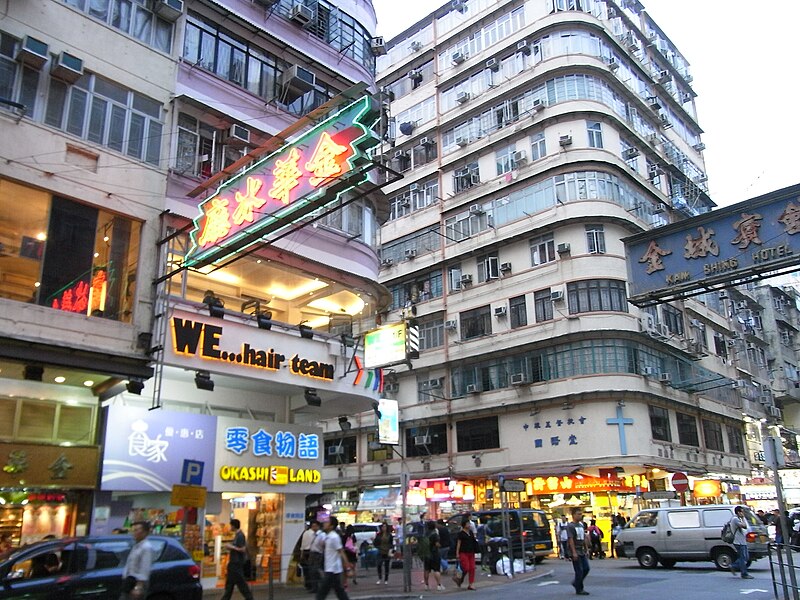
(668, 495)
(513, 485)
(680, 482)
(192, 472)
(188, 495)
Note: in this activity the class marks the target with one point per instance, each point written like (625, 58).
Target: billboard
(385, 345)
(389, 422)
(739, 243)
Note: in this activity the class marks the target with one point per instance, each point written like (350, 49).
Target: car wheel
(647, 557)
(668, 562)
(724, 558)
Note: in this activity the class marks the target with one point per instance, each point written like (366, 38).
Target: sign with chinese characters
(739, 242)
(585, 483)
(258, 457)
(555, 431)
(276, 191)
(188, 495)
(145, 449)
(81, 297)
(42, 466)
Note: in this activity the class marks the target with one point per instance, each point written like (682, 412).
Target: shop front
(45, 490)
(255, 471)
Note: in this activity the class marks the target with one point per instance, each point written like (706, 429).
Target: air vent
(301, 14)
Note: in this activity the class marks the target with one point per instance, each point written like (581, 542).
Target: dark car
(91, 567)
(534, 532)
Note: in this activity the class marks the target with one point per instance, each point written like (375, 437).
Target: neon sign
(82, 297)
(276, 191)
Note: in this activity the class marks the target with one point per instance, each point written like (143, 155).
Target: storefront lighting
(60, 379)
(344, 424)
(88, 383)
(41, 236)
(37, 284)
(305, 331)
(135, 386)
(203, 381)
(216, 306)
(262, 315)
(311, 397)
(33, 372)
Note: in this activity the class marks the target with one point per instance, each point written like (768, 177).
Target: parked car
(687, 533)
(534, 531)
(91, 566)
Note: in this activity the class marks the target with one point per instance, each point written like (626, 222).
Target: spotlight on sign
(203, 381)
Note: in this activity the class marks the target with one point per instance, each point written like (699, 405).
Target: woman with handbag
(351, 551)
(384, 542)
(466, 546)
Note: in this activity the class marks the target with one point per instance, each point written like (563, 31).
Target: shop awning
(379, 498)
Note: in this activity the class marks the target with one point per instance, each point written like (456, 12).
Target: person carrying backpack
(738, 525)
(596, 537)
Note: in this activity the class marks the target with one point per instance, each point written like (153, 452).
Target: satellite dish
(407, 128)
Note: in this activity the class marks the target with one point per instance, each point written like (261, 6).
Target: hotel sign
(738, 243)
(276, 191)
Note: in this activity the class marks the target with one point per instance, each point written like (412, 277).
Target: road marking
(547, 583)
(753, 590)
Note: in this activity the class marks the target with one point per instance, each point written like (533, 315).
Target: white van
(687, 533)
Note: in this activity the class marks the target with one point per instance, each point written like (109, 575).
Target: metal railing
(784, 571)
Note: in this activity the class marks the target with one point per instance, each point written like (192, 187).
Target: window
(538, 146)
(595, 239)
(712, 432)
(687, 429)
(543, 250)
(431, 334)
(465, 178)
(132, 18)
(426, 440)
(684, 519)
(488, 268)
(503, 160)
(340, 451)
(377, 452)
(18, 83)
(454, 278)
(543, 305)
(45, 421)
(595, 134)
(425, 287)
(199, 151)
(518, 315)
(476, 323)
(596, 294)
(659, 424)
(673, 319)
(477, 434)
(644, 519)
(102, 254)
(735, 439)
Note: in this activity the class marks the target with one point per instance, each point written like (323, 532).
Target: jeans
(743, 556)
(328, 581)
(581, 568)
(383, 567)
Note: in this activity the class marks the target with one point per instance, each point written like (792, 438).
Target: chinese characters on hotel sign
(286, 185)
(740, 241)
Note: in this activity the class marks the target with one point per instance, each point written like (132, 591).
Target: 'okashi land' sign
(273, 193)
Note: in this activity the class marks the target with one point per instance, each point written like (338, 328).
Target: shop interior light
(33, 372)
(216, 306)
(344, 424)
(60, 379)
(311, 397)
(203, 381)
(135, 386)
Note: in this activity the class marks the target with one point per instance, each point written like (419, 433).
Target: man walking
(739, 528)
(305, 551)
(578, 544)
(335, 563)
(236, 559)
(136, 575)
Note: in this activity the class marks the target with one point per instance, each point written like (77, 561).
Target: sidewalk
(368, 588)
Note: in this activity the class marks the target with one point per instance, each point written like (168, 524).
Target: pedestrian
(445, 544)
(466, 546)
(616, 529)
(136, 574)
(308, 537)
(480, 538)
(351, 552)
(316, 560)
(739, 528)
(237, 556)
(433, 564)
(562, 538)
(578, 543)
(596, 540)
(335, 563)
(762, 516)
(384, 543)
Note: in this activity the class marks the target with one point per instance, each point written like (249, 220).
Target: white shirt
(308, 537)
(318, 544)
(333, 559)
(139, 562)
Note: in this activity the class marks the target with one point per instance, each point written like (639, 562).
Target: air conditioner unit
(414, 187)
(630, 153)
(451, 324)
(435, 384)
(538, 104)
(476, 209)
(695, 323)
(774, 411)
(565, 140)
(723, 295)
(665, 378)
(426, 141)
(387, 262)
(562, 248)
(405, 203)
(688, 78)
(556, 295)
(414, 75)
(296, 81)
(459, 5)
(391, 388)
(649, 371)
(461, 141)
(67, 67)
(462, 97)
(169, 10)
(400, 154)
(466, 279)
(472, 388)
(377, 46)
(301, 14)
(699, 147)
(660, 208)
(612, 64)
(415, 46)
(335, 450)
(524, 47)
(663, 330)
(410, 253)
(653, 138)
(32, 52)
(505, 267)
(739, 384)
(765, 399)
(237, 136)
(741, 306)
(500, 311)
(701, 178)
(519, 158)
(422, 440)
(664, 121)
(458, 58)
(493, 64)
(664, 77)
(654, 103)
(517, 378)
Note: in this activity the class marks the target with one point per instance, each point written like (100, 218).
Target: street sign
(188, 495)
(192, 472)
(680, 482)
(667, 495)
(513, 485)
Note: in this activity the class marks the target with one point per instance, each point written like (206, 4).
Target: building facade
(113, 165)
(533, 137)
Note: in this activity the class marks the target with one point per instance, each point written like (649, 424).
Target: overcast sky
(744, 58)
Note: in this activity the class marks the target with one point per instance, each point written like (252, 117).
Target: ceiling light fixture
(60, 379)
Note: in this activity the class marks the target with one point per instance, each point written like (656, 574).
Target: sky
(744, 60)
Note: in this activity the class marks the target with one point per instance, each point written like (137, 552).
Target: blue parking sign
(192, 472)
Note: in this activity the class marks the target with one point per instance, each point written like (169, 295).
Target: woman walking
(351, 552)
(384, 542)
(466, 546)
